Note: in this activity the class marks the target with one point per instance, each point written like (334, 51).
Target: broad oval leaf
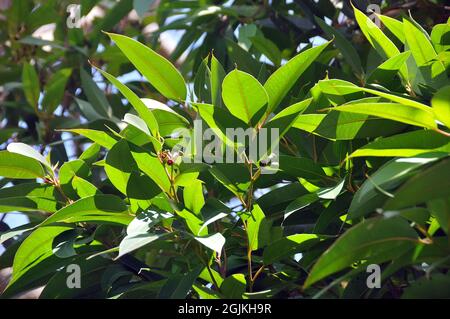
(243, 95)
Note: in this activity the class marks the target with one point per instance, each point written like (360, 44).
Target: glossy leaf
(243, 95)
(156, 69)
(14, 165)
(377, 239)
(283, 79)
(94, 209)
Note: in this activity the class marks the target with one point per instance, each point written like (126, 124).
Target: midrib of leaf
(241, 93)
(154, 68)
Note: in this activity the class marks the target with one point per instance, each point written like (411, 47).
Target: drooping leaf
(375, 190)
(94, 209)
(35, 249)
(28, 151)
(405, 145)
(145, 114)
(14, 165)
(392, 111)
(417, 189)
(377, 240)
(31, 84)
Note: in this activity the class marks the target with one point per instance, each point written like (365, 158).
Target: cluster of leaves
(363, 171)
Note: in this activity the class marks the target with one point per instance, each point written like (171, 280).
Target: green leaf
(178, 286)
(91, 274)
(30, 197)
(288, 246)
(393, 25)
(136, 102)
(28, 151)
(243, 95)
(392, 111)
(219, 120)
(156, 69)
(31, 85)
(84, 188)
(17, 231)
(142, 7)
(379, 41)
(212, 220)
(417, 189)
(257, 228)
(441, 105)
(88, 110)
(68, 172)
(345, 126)
(233, 287)
(95, 96)
(406, 145)
(283, 79)
(388, 69)
(284, 120)
(13, 165)
(34, 249)
(93, 209)
(138, 232)
(193, 196)
(439, 37)
(377, 240)
(301, 167)
(214, 242)
(123, 172)
(151, 166)
(54, 90)
(419, 43)
(338, 87)
(100, 137)
(119, 165)
(375, 190)
(168, 120)
(216, 77)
